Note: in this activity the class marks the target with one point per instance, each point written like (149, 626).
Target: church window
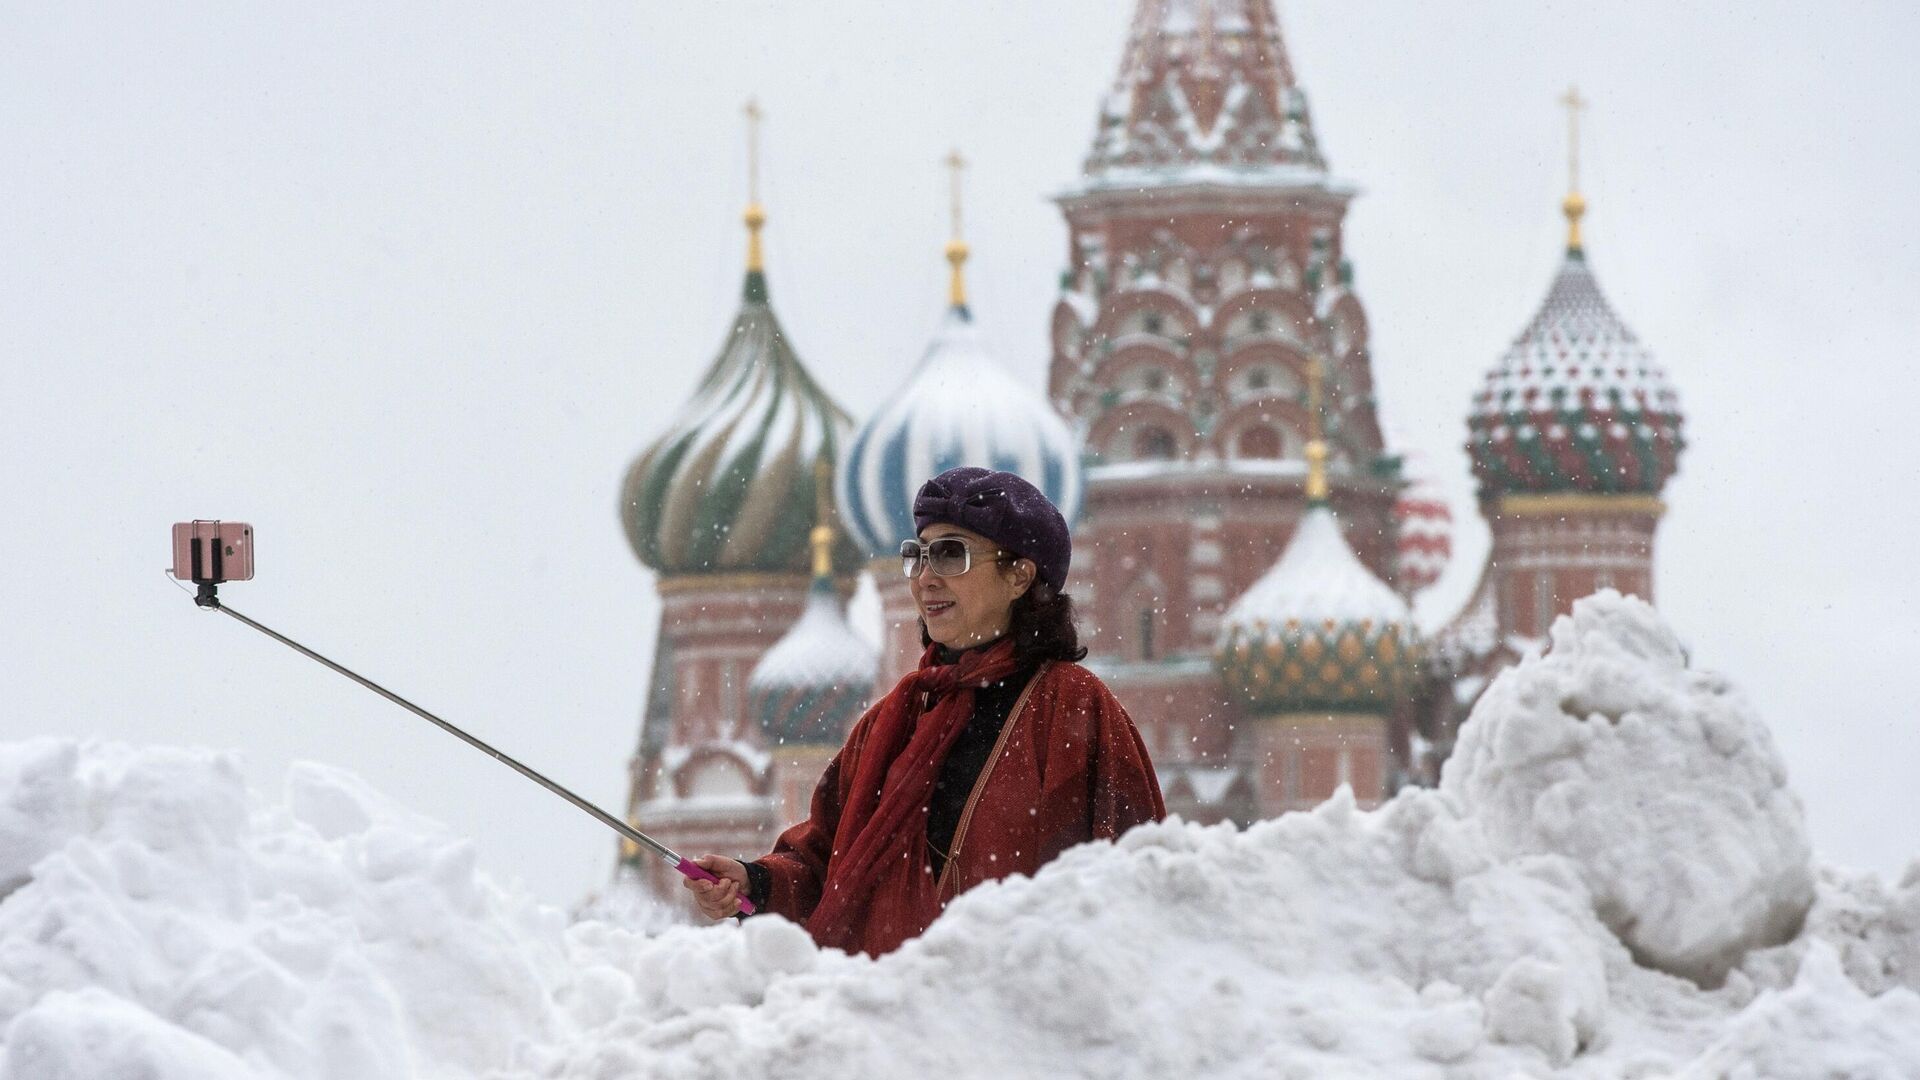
(1154, 444)
(1259, 441)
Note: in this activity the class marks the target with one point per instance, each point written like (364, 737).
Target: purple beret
(1003, 508)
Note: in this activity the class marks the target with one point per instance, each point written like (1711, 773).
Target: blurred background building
(1246, 544)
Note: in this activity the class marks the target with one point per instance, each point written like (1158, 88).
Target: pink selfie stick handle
(699, 873)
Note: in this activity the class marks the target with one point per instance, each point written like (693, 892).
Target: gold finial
(755, 217)
(821, 537)
(1575, 204)
(1316, 446)
(956, 247)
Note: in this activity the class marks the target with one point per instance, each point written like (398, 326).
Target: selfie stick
(207, 598)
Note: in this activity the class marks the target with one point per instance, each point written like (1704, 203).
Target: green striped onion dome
(730, 487)
(1577, 404)
(1318, 631)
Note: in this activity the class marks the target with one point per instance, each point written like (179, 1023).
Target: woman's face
(976, 606)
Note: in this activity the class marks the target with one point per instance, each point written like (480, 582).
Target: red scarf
(885, 817)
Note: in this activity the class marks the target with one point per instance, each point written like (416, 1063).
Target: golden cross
(753, 151)
(956, 163)
(1574, 103)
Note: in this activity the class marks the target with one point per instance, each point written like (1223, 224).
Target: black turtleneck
(991, 704)
(958, 773)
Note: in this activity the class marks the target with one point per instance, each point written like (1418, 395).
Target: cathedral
(1245, 543)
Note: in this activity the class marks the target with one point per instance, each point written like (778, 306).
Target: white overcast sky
(407, 286)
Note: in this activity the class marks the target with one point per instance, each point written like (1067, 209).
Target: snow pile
(169, 926)
(1659, 783)
(163, 924)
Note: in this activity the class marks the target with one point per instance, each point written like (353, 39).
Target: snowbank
(1660, 783)
(163, 922)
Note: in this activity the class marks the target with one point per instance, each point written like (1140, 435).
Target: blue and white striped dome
(960, 408)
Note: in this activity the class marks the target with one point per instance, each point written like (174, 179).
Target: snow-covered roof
(1577, 346)
(1205, 84)
(1085, 308)
(1210, 783)
(1204, 174)
(1208, 786)
(961, 407)
(1318, 579)
(1577, 403)
(820, 649)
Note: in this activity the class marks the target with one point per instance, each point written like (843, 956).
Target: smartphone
(212, 551)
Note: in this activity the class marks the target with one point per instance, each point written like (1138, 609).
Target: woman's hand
(718, 899)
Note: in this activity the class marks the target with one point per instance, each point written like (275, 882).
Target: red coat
(1069, 767)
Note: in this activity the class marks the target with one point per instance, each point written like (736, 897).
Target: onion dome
(960, 407)
(1424, 524)
(730, 487)
(1577, 404)
(1318, 630)
(811, 686)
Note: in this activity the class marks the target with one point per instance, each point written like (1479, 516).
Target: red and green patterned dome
(1318, 631)
(1577, 404)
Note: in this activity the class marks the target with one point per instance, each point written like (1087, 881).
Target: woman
(999, 753)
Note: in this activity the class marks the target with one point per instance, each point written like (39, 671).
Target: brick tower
(1573, 435)
(1205, 274)
(1320, 652)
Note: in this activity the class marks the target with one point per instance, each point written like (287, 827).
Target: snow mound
(1659, 782)
(162, 922)
(170, 918)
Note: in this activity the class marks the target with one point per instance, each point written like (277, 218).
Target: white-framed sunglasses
(948, 556)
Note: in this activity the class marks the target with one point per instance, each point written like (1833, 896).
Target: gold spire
(956, 247)
(1316, 446)
(755, 217)
(1575, 204)
(821, 537)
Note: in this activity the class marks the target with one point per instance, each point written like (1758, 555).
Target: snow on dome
(814, 682)
(1657, 781)
(961, 407)
(819, 649)
(1318, 628)
(1317, 578)
(1577, 403)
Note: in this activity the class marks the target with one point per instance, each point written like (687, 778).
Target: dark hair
(1041, 627)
